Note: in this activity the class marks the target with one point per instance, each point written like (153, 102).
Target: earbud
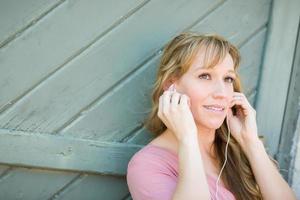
(172, 88)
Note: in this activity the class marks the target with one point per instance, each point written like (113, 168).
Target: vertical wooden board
(286, 153)
(16, 15)
(251, 62)
(235, 19)
(51, 105)
(276, 70)
(95, 187)
(55, 40)
(121, 112)
(294, 174)
(31, 184)
(251, 99)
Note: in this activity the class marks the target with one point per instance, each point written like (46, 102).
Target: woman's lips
(215, 108)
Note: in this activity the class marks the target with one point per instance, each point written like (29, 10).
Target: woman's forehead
(198, 62)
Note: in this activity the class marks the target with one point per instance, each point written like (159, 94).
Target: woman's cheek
(196, 99)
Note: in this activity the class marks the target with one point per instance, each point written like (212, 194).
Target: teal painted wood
(252, 54)
(236, 20)
(90, 81)
(32, 184)
(29, 120)
(35, 184)
(67, 90)
(129, 99)
(54, 152)
(90, 186)
(17, 16)
(58, 37)
(276, 71)
(286, 153)
(3, 170)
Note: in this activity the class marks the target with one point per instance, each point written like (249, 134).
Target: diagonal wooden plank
(129, 100)
(235, 19)
(94, 187)
(33, 184)
(54, 41)
(83, 80)
(55, 152)
(251, 62)
(17, 16)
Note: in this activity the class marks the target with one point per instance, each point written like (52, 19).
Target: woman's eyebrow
(232, 72)
(199, 68)
(208, 69)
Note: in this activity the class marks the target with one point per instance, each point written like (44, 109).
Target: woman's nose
(219, 90)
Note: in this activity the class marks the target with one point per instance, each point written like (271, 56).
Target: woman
(197, 106)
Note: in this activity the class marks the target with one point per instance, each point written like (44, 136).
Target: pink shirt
(152, 174)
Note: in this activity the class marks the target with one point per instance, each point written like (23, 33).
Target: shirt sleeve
(150, 178)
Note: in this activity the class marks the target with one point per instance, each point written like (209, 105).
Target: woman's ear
(168, 83)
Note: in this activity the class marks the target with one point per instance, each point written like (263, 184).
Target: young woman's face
(210, 90)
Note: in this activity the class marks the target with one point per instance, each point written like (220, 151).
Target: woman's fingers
(229, 113)
(169, 101)
(166, 101)
(174, 100)
(175, 113)
(185, 101)
(162, 108)
(242, 97)
(241, 101)
(241, 104)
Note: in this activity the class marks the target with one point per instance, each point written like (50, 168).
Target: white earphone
(228, 138)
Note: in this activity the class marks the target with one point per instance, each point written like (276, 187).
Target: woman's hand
(242, 125)
(174, 111)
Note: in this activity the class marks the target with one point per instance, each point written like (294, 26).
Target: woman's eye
(229, 79)
(204, 76)
(207, 77)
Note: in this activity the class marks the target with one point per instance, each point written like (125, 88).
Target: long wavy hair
(177, 57)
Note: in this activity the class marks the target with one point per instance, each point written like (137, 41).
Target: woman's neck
(206, 139)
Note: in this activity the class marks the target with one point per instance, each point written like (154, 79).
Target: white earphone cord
(217, 183)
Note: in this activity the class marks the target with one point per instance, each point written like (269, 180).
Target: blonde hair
(177, 57)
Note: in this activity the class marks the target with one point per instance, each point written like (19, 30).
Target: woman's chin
(210, 121)
(212, 124)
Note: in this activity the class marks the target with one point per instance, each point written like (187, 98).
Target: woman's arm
(244, 129)
(192, 183)
(174, 110)
(268, 178)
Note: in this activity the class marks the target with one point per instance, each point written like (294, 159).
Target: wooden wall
(75, 83)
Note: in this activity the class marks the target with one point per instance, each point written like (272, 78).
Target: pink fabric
(152, 175)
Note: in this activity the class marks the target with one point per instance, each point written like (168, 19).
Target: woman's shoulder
(152, 173)
(157, 149)
(154, 155)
